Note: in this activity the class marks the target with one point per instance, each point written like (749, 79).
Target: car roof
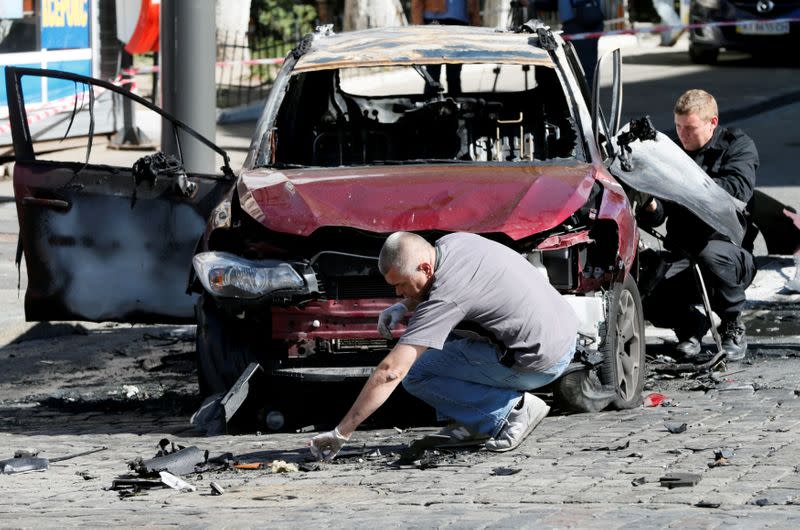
(432, 44)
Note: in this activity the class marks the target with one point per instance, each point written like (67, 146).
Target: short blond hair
(697, 102)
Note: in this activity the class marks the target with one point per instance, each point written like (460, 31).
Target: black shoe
(689, 347)
(734, 341)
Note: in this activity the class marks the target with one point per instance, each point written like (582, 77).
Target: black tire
(623, 346)
(224, 348)
(699, 55)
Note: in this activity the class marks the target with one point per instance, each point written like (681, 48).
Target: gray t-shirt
(479, 281)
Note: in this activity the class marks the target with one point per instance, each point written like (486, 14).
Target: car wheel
(623, 347)
(223, 348)
(703, 55)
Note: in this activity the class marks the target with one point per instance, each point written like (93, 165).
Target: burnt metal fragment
(505, 471)
(608, 447)
(181, 462)
(679, 480)
(675, 427)
(707, 504)
(22, 465)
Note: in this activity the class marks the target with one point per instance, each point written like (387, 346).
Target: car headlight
(708, 4)
(230, 276)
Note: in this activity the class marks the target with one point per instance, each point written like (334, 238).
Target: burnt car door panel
(652, 164)
(106, 243)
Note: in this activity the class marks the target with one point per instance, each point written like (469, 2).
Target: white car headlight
(230, 276)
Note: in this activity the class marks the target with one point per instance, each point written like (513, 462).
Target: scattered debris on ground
(679, 480)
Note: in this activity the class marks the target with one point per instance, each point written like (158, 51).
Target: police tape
(57, 106)
(220, 64)
(659, 28)
(663, 28)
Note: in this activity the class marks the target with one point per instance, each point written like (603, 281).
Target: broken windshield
(464, 112)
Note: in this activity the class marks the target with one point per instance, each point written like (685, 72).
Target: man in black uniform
(730, 158)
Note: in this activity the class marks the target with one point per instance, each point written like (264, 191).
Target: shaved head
(403, 252)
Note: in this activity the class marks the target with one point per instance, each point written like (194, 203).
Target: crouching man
(526, 339)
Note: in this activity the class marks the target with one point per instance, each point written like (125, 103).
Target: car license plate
(763, 28)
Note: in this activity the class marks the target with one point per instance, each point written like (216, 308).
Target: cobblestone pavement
(573, 471)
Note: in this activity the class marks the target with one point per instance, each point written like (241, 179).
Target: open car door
(104, 243)
(652, 164)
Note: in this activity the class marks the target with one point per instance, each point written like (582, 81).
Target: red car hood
(515, 200)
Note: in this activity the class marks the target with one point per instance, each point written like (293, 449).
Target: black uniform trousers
(727, 271)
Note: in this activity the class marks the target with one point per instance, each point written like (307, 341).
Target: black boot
(690, 333)
(734, 341)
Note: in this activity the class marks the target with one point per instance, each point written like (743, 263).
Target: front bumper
(769, 37)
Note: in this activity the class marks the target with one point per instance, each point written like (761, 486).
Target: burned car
(359, 138)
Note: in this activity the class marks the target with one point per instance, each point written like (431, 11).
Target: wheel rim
(628, 346)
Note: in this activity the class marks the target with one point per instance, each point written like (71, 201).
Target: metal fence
(239, 83)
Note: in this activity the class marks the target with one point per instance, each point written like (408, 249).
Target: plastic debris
(247, 465)
(654, 399)
(675, 427)
(175, 483)
(130, 390)
(216, 489)
(279, 466)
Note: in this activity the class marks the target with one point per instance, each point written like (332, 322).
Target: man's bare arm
(392, 369)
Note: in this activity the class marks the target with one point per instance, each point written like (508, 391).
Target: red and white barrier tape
(662, 28)
(51, 108)
(220, 64)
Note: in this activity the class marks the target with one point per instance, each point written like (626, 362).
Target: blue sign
(65, 24)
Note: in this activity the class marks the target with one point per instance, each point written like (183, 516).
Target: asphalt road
(69, 389)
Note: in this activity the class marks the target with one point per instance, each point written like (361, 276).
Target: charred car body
(357, 140)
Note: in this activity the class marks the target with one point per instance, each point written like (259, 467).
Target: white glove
(327, 445)
(389, 319)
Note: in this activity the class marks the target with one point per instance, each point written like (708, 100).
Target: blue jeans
(466, 382)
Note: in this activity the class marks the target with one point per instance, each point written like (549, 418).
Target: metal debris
(721, 457)
(505, 471)
(675, 427)
(176, 483)
(707, 504)
(23, 465)
(608, 448)
(679, 480)
(216, 489)
(181, 462)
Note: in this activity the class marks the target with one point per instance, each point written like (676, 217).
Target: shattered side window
(423, 113)
(77, 122)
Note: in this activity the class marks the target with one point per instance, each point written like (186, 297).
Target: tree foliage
(283, 19)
